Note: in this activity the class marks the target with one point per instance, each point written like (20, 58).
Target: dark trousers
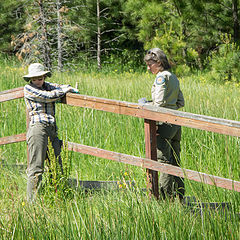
(168, 151)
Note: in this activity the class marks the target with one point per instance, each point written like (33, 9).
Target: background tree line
(195, 34)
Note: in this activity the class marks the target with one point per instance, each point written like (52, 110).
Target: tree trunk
(59, 36)
(45, 43)
(235, 21)
(98, 36)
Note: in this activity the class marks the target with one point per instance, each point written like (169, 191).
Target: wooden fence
(150, 114)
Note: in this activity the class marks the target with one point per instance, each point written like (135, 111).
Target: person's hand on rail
(142, 100)
(68, 88)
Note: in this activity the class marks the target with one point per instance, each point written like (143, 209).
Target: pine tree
(11, 22)
(48, 35)
(101, 28)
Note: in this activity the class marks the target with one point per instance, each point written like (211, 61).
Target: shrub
(224, 61)
(55, 179)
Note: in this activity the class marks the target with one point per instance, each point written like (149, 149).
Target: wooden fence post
(151, 153)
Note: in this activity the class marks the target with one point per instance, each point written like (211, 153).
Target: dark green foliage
(187, 30)
(225, 61)
(11, 22)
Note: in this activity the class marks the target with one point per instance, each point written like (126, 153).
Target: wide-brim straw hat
(36, 70)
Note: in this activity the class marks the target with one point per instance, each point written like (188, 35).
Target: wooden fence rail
(11, 94)
(212, 124)
(150, 115)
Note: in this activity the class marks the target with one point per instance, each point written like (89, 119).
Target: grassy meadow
(123, 214)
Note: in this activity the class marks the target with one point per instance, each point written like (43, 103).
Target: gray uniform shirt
(166, 91)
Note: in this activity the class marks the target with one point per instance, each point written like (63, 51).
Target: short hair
(157, 55)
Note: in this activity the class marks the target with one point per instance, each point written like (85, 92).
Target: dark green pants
(168, 151)
(37, 140)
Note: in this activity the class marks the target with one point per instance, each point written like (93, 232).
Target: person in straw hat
(40, 97)
(166, 93)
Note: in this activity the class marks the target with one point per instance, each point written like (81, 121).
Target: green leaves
(187, 30)
(225, 61)
(56, 177)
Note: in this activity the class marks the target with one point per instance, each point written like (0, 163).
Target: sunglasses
(40, 78)
(152, 53)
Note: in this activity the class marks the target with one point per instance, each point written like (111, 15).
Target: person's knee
(161, 157)
(164, 151)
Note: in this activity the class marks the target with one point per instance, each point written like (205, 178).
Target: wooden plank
(218, 125)
(13, 139)
(151, 153)
(11, 94)
(157, 166)
(141, 162)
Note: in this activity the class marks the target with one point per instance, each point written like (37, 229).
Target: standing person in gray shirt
(166, 93)
(40, 97)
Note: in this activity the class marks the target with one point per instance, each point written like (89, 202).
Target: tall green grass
(113, 215)
(120, 214)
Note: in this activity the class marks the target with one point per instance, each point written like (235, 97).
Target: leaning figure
(40, 97)
(166, 93)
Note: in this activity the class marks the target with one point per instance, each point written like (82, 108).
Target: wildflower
(23, 204)
(125, 174)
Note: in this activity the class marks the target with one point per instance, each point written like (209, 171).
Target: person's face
(38, 81)
(153, 66)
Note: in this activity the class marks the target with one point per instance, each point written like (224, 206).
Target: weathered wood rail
(11, 94)
(150, 114)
